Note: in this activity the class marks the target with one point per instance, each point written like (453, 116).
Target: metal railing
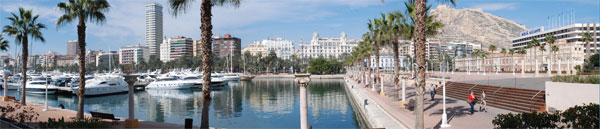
(531, 101)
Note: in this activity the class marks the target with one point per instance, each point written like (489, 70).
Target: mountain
(475, 26)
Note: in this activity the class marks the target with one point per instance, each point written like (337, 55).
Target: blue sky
(260, 19)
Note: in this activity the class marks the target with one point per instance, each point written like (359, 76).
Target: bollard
(189, 123)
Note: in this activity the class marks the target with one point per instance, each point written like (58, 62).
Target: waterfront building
(226, 45)
(196, 48)
(6, 60)
(283, 48)
(133, 54)
(567, 57)
(66, 60)
(154, 28)
(256, 49)
(91, 56)
(103, 58)
(176, 47)
(72, 47)
(326, 47)
(571, 33)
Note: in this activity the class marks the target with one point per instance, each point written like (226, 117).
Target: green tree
(549, 39)
(535, 43)
(512, 54)
(83, 11)
(492, 48)
(23, 26)
(543, 49)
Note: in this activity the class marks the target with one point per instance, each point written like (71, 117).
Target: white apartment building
(154, 27)
(571, 33)
(132, 54)
(326, 47)
(283, 48)
(176, 47)
(256, 49)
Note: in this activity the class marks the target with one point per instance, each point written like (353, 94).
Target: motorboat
(40, 86)
(231, 77)
(12, 85)
(246, 77)
(169, 83)
(103, 85)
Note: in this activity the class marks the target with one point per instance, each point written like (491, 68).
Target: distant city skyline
(256, 20)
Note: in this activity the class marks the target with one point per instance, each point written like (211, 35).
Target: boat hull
(170, 86)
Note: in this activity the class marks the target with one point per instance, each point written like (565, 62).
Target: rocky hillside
(475, 26)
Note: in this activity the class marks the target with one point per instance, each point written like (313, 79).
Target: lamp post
(46, 100)
(444, 115)
(5, 72)
(303, 80)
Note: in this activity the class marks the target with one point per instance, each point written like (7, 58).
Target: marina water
(261, 103)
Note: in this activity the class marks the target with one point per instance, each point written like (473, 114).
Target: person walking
(432, 91)
(471, 101)
(483, 106)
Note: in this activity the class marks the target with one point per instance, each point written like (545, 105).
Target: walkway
(457, 110)
(58, 113)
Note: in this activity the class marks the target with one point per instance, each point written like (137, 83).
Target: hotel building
(572, 34)
(283, 48)
(255, 49)
(326, 47)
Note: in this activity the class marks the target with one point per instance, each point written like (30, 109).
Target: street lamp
(444, 115)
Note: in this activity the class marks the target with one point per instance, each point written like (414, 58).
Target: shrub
(576, 79)
(18, 113)
(585, 116)
(74, 123)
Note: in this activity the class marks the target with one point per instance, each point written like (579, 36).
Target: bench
(105, 116)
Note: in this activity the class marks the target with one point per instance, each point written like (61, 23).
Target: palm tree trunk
(24, 71)
(396, 69)
(420, 28)
(376, 46)
(206, 28)
(81, 42)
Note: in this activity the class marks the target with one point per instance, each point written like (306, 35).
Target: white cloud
(50, 13)
(495, 6)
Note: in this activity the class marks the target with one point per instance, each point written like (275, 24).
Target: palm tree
(512, 53)
(522, 51)
(543, 49)
(550, 41)
(420, 40)
(535, 44)
(555, 49)
(492, 48)
(587, 37)
(22, 27)
(82, 10)
(378, 36)
(483, 55)
(476, 55)
(502, 51)
(3, 44)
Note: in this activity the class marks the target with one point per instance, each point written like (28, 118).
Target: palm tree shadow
(439, 101)
(458, 111)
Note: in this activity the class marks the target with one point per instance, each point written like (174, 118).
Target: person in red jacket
(471, 101)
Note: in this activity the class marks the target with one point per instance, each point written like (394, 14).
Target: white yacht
(103, 85)
(12, 85)
(39, 87)
(231, 77)
(169, 83)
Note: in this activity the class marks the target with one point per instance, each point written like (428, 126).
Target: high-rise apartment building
(176, 47)
(133, 54)
(154, 28)
(226, 45)
(72, 46)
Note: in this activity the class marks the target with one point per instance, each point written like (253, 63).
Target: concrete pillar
(559, 68)
(131, 122)
(537, 71)
(522, 67)
(5, 85)
(303, 80)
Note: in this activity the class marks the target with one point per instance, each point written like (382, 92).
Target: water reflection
(260, 103)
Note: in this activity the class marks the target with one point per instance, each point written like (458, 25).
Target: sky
(255, 20)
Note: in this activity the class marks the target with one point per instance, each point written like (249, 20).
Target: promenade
(58, 113)
(458, 113)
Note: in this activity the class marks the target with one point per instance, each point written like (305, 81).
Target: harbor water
(264, 103)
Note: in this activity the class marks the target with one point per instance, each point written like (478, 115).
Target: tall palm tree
(483, 55)
(554, 49)
(543, 49)
(529, 46)
(82, 11)
(476, 55)
(550, 41)
(512, 53)
(535, 42)
(522, 51)
(503, 52)
(24, 26)
(420, 40)
(180, 6)
(587, 37)
(3, 44)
